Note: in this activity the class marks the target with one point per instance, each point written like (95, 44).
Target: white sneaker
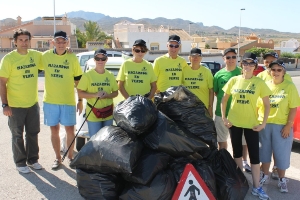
(264, 180)
(283, 185)
(24, 170)
(36, 166)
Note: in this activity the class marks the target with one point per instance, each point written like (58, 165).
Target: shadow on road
(51, 186)
(296, 147)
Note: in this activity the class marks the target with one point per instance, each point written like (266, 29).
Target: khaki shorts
(223, 132)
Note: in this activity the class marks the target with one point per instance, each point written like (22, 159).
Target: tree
(287, 55)
(81, 39)
(207, 46)
(92, 33)
(259, 51)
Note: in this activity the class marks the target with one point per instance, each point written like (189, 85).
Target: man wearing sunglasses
(62, 70)
(168, 68)
(269, 58)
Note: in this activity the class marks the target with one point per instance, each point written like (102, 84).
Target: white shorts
(223, 132)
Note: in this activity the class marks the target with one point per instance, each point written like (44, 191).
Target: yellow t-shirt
(60, 71)
(137, 77)
(93, 82)
(266, 76)
(245, 93)
(198, 82)
(168, 71)
(22, 74)
(284, 96)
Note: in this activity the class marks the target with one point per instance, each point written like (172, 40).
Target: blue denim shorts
(55, 114)
(270, 140)
(94, 127)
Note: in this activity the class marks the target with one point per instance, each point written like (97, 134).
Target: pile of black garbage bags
(144, 156)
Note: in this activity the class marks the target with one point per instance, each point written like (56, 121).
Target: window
(42, 44)
(154, 46)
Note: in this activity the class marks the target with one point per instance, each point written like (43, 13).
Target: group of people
(257, 112)
(19, 95)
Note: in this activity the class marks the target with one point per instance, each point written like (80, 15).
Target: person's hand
(7, 111)
(258, 127)
(227, 123)
(285, 132)
(69, 50)
(79, 107)
(210, 111)
(101, 94)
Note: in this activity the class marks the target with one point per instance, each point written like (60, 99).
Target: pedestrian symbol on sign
(192, 190)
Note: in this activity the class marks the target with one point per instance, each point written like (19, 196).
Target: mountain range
(106, 23)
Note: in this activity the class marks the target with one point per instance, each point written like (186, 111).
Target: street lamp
(190, 27)
(54, 16)
(238, 53)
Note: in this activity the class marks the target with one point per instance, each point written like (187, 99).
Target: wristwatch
(4, 105)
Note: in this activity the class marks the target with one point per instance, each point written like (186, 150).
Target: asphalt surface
(61, 184)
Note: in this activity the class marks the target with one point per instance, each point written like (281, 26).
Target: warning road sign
(191, 186)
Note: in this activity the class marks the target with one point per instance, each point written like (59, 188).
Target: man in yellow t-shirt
(269, 58)
(168, 68)
(62, 70)
(199, 79)
(19, 95)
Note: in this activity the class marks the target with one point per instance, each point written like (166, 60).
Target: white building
(125, 33)
(288, 46)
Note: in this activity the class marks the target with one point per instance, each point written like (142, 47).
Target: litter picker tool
(79, 130)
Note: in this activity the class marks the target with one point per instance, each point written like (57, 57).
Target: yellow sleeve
(227, 87)
(210, 80)
(264, 89)
(5, 67)
(294, 99)
(288, 77)
(156, 68)
(115, 85)
(77, 68)
(83, 83)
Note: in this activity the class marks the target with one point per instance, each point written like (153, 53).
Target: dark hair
(19, 32)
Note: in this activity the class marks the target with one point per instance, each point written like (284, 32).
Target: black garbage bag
(95, 186)
(135, 114)
(148, 165)
(230, 181)
(207, 175)
(188, 112)
(111, 150)
(177, 166)
(161, 187)
(167, 137)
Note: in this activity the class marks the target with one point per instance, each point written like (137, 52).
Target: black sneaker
(247, 168)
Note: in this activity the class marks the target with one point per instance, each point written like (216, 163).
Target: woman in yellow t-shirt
(136, 75)
(100, 84)
(277, 136)
(199, 80)
(245, 90)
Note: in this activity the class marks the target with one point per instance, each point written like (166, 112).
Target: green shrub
(287, 55)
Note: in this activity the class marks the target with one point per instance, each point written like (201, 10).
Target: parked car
(296, 126)
(213, 66)
(85, 56)
(259, 69)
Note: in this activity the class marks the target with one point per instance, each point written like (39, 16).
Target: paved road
(61, 184)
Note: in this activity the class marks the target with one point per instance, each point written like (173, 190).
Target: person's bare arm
(224, 101)
(153, 90)
(266, 103)
(3, 93)
(79, 103)
(285, 132)
(122, 89)
(211, 102)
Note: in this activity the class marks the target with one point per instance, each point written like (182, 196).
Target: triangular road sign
(191, 186)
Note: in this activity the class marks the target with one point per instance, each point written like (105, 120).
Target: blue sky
(281, 15)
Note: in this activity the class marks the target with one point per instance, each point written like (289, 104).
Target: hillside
(106, 23)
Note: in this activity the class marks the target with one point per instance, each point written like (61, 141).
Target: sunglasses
(138, 51)
(252, 64)
(228, 57)
(276, 70)
(174, 45)
(102, 59)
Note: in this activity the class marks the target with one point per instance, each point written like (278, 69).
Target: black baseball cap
(249, 55)
(229, 50)
(174, 38)
(100, 51)
(60, 34)
(195, 51)
(273, 54)
(277, 62)
(140, 42)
